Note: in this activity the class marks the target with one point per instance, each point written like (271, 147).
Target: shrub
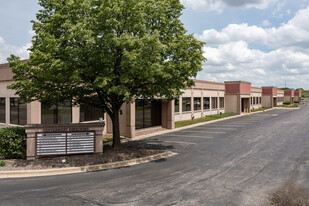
(13, 142)
(296, 101)
(286, 103)
(289, 195)
(2, 163)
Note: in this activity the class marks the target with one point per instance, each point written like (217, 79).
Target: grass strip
(289, 106)
(203, 119)
(260, 109)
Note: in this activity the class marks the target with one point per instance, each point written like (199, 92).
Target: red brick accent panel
(245, 88)
(267, 90)
(297, 93)
(232, 88)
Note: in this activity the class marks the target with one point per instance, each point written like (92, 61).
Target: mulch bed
(109, 155)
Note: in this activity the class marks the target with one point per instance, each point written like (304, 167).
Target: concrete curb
(90, 168)
(287, 108)
(192, 125)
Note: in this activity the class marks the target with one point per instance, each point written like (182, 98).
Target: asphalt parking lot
(233, 162)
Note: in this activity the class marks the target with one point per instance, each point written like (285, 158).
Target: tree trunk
(116, 130)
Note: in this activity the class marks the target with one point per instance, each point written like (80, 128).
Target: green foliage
(285, 88)
(286, 103)
(13, 142)
(2, 163)
(296, 102)
(105, 53)
(203, 119)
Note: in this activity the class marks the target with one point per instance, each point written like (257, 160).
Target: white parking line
(204, 131)
(187, 136)
(178, 142)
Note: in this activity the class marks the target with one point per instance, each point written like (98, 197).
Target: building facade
(142, 116)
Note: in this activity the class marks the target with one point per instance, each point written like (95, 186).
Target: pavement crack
(84, 200)
(226, 169)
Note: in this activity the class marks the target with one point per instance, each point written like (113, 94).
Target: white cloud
(220, 5)
(6, 49)
(266, 23)
(229, 56)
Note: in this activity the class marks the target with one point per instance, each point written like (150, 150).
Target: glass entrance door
(147, 113)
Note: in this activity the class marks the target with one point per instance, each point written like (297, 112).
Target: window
(256, 100)
(90, 113)
(147, 113)
(197, 103)
(253, 100)
(221, 102)
(56, 113)
(18, 111)
(214, 103)
(186, 104)
(206, 102)
(2, 110)
(260, 100)
(176, 105)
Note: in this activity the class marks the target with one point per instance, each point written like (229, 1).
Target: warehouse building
(297, 96)
(289, 96)
(141, 116)
(272, 97)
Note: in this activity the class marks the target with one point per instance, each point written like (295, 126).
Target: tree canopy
(106, 53)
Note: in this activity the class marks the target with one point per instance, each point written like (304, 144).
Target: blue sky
(262, 41)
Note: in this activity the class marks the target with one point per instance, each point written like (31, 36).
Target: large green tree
(106, 53)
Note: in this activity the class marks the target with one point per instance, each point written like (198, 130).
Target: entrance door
(147, 113)
(245, 105)
(274, 102)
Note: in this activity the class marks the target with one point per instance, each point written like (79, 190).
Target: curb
(90, 168)
(287, 107)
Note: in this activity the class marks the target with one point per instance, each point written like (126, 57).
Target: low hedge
(286, 103)
(13, 142)
(296, 102)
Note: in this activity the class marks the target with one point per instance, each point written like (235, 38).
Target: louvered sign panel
(80, 142)
(65, 143)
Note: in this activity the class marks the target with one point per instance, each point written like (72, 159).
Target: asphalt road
(232, 162)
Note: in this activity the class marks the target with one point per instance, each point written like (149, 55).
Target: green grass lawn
(289, 106)
(203, 119)
(260, 109)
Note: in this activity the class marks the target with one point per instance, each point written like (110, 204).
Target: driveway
(233, 162)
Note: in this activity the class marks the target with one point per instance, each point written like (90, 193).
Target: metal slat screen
(65, 143)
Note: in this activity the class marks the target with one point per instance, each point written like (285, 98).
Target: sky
(265, 42)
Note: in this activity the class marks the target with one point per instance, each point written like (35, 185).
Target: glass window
(197, 103)
(186, 104)
(206, 102)
(214, 103)
(253, 100)
(90, 113)
(256, 100)
(147, 113)
(221, 102)
(2, 110)
(18, 111)
(176, 105)
(260, 100)
(56, 113)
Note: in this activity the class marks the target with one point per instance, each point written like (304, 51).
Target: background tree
(106, 53)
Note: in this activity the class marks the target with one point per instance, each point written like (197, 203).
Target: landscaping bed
(108, 156)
